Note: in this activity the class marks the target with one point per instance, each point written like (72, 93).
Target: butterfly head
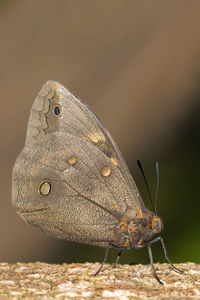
(157, 225)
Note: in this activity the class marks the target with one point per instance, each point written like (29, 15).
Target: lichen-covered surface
(46, 281)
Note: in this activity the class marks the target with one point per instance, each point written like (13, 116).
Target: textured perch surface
(47, 281)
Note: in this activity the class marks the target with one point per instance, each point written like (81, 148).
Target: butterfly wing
(70, 179)
(79, 120)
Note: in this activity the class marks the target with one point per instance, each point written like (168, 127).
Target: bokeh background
(137, 64)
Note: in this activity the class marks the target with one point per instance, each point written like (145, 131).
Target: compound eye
(157, 224)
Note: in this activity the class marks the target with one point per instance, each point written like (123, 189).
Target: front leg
(165, 252)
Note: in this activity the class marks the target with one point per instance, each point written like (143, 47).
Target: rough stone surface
(47, 281)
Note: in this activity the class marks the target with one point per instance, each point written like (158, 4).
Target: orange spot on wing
(140, 242)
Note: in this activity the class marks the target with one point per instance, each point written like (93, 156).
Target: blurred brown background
(136, 63)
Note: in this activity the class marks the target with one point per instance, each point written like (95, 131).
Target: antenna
(141, 169)
(157, 185)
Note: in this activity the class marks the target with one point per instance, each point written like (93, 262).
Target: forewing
(77, 119)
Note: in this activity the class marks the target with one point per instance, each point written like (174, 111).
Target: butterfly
(71, 181)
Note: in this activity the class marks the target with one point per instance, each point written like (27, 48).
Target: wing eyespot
(57, 110)
(45, 188)
(106, 171)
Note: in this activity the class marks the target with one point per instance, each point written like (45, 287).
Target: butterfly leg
(152, 265)
(104, 260)
(118, 257)
(165, 252)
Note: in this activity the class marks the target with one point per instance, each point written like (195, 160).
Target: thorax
(135, 232)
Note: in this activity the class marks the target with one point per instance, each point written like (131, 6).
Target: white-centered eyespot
(45, 188)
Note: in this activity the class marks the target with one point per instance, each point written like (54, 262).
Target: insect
(71, 181)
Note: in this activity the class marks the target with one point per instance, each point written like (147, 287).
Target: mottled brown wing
(70, 180)
(79, 120)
